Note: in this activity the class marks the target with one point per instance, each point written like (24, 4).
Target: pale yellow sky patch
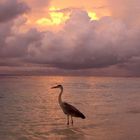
(47, 16)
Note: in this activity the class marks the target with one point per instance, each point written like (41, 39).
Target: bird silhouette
(68, 109)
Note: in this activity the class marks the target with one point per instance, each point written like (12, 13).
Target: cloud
(84, 44)
(42, 3)
(127, 10)
(36, 3)
(10, 9)
(66, 10)
(80, 45)
(13, 43)
(39, 8)
(17, 46)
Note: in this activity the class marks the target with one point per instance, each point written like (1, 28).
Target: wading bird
(68, 109)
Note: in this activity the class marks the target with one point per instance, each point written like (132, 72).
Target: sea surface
(29, 108)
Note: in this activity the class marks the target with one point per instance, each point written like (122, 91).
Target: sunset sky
(69, 37)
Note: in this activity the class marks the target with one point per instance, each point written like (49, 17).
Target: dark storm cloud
(14, 45)
(132, 66)
(10, 9)
(80, 44)
(86, 44)
(17, 46)
(5, 30)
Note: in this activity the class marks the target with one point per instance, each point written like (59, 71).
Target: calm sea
(29, 109)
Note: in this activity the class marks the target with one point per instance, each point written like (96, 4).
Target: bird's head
(58, 86)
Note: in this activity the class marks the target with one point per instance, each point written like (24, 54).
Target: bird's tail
(82, 116)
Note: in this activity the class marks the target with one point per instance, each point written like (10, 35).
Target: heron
(68, 109)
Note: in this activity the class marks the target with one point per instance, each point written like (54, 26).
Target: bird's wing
(71, 110)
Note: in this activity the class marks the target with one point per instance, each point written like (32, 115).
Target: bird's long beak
(54, 87)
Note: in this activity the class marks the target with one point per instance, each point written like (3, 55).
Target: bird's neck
(59, 97)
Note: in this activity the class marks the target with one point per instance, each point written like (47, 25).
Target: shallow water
(29, 109)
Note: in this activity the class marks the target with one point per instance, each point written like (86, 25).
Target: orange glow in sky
(56, 18)
(53, 15)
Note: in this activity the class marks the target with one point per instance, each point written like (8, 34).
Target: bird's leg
(67, 119)
(71, 120)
